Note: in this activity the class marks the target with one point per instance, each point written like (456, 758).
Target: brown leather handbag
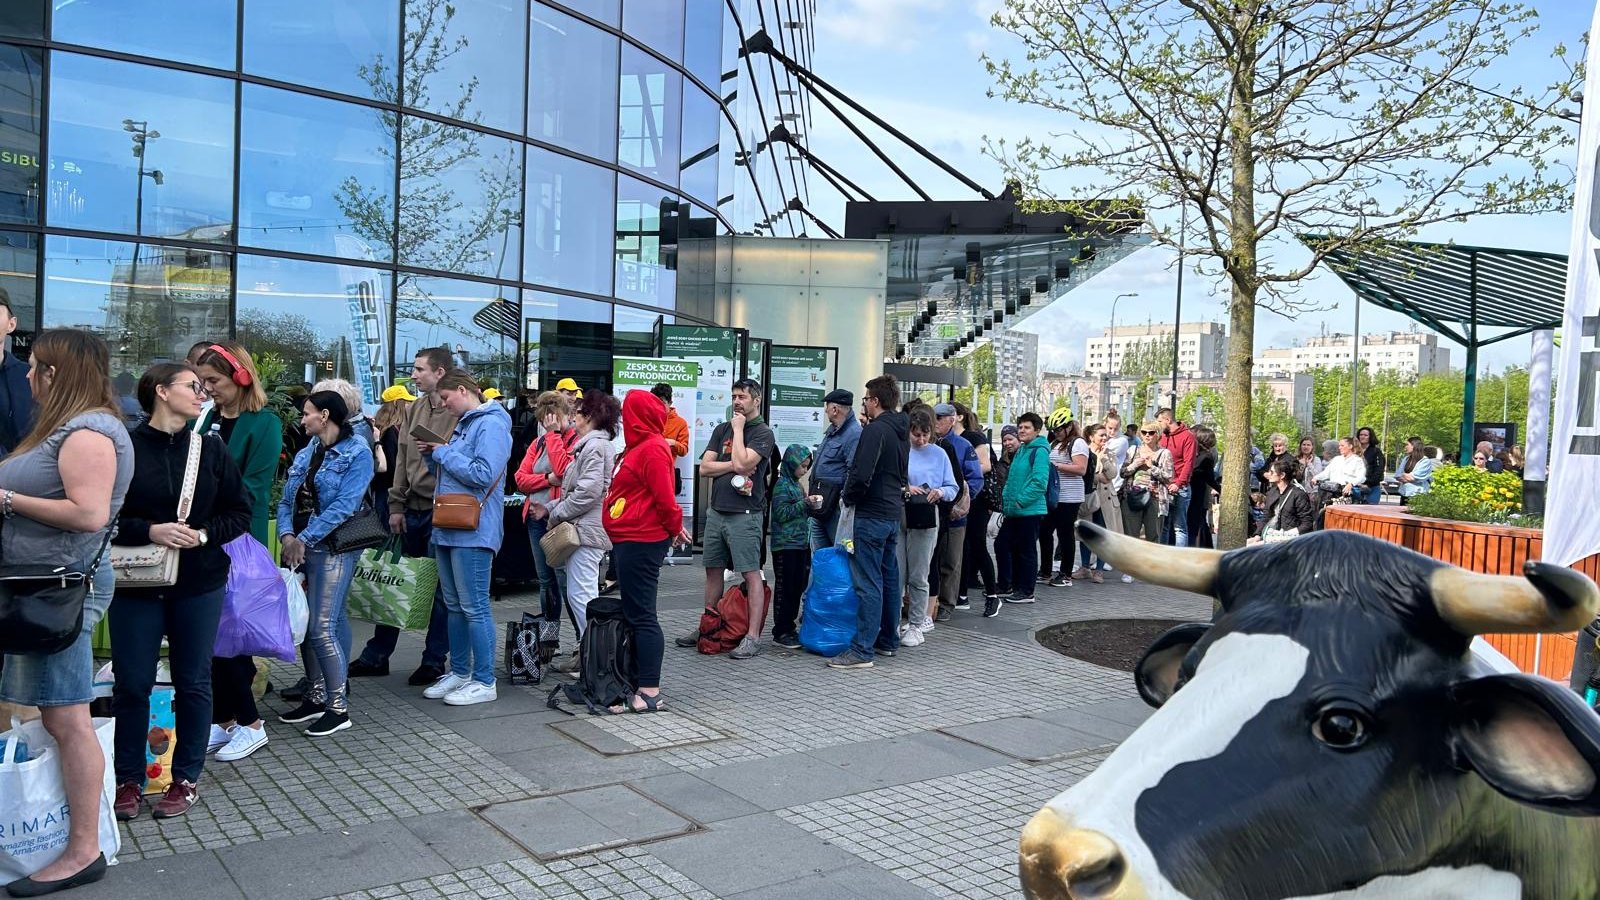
(460, 512)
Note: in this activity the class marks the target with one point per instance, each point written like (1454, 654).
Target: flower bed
(1470, 494)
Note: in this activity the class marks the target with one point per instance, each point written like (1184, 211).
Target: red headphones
(241, 375)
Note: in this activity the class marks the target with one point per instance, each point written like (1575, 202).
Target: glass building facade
(339, 185)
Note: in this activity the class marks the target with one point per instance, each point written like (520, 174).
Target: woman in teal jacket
(254, 435)
(1023, 504)
(472, 463)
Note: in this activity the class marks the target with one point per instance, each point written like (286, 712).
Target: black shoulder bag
(41, 606)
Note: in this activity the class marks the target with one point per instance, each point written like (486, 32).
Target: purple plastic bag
(255, 610)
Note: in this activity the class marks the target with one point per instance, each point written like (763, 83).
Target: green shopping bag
(393, 589)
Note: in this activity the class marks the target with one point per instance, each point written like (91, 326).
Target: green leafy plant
(1469, 494)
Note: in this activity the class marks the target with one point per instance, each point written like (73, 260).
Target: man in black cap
(834, 456)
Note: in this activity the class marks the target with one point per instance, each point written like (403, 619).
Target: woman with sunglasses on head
(254, 435)
(186, 613)
(60, 490)
(325, 486)
(1145, 477)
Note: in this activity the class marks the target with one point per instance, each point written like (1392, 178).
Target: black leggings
(638, 577)
(791, 569)
(1056, 533)
(232, 696)
(976, 564)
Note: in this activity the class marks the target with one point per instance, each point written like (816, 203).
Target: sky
(917, 64)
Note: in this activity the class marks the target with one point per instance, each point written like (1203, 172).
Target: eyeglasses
(1149, 432)
(198, 388)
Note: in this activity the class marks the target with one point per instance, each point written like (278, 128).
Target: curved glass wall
(342, 184)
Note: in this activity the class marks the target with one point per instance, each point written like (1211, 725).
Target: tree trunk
(1233, 513)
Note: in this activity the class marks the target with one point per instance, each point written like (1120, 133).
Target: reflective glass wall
(343, 184)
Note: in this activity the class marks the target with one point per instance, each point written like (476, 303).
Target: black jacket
(1294, 509)
(1374, 460)
(877, 483)
(221, 506)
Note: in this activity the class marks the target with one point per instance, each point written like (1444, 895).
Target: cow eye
(1341, 727)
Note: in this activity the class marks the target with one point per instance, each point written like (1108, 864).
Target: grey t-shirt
(35, 473)
(726, 498)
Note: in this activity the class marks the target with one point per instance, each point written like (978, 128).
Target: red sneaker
(130, 798)
(177, 800)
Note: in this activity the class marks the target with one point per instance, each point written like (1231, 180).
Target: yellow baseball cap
(492, 394)
(396, 392)
(567, 384)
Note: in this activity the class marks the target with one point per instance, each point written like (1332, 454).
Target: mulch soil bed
(1113, 643)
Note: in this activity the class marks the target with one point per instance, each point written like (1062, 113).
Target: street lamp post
(1111, 349)
(142, 136)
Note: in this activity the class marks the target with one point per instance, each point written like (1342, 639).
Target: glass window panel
(316, 175)
(456, 57)
(702, 40)
(203, 32)
(460, 200)
(346, 47)
(606, 11)
(565, 337)
(572, 84)
(568, 229)
(702, 120)
(22, 18)
(19, 284)
(648, 109)
(647, 243)
(102, 111)
(657, 24)
(20, 99)
(634, 333)
(480, 323)
(149, 302)
(320, 320)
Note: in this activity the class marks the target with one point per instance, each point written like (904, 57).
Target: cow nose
(1059, 862)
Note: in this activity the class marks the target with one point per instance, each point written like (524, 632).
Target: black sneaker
(787, 641)
(991, 607)
(295, 692)
(363, 669)
(425, 675)
(880, 651)
(329, 723)
(1059, 580)
(688, 640)
(943, 615)
(963, 603)
(1014, 599)
(305, 712)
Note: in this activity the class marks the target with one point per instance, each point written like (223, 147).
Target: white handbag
(152, 565)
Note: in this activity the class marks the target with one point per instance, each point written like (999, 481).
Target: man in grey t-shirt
(737, 459)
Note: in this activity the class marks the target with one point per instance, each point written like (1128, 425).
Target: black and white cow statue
(1331, 735)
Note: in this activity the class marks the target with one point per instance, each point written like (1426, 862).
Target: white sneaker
(470, 693)
(246, 740)
(444, 687)
(1127, 579)
(912, 638)
(219, 738)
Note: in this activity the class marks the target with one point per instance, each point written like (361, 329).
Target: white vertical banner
(1572, 530)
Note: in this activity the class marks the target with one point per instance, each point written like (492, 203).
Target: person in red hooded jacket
(642, 519)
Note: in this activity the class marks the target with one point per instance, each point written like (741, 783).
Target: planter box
(1490, 549)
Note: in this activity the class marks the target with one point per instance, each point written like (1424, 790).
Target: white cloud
(898, 24)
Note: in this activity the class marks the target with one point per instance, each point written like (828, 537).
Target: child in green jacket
(791, 545)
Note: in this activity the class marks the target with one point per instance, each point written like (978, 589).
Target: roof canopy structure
(1457, 291)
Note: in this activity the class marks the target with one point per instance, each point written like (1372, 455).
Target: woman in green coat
(254, 435)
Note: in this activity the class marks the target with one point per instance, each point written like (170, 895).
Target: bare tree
(1355, 120)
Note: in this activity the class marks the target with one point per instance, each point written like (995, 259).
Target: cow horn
(1549, 599)
(1184, 568)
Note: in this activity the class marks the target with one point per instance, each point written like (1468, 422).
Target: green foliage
(1429, 406)
(1469, 494)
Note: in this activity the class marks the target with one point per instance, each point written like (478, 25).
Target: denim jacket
(341, 485)
(837, 452)
(474, 462)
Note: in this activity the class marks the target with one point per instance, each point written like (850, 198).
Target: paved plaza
(773, 777)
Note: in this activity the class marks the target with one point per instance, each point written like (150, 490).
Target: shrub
(1469, 494)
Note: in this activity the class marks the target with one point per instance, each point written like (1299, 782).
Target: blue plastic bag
(255, 610)
(829, 622)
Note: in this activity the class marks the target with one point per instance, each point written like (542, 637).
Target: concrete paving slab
(912, 757)
(1129, 712)
(509, 734)
(749, 853)
(1027, 738)
(786, 780)
(463, 838)
(153, 879)
(694, 797)
(585, 821)
(309, 866)
(571, 766)
(1078, 719)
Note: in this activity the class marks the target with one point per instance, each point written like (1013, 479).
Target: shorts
(65, 678)
(732, 541)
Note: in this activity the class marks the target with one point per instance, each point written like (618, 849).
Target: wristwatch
(204, 537)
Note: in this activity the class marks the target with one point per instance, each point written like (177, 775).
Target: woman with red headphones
(254, 435)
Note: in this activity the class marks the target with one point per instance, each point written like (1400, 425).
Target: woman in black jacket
(1289, 508)
(1204, 479)
(186, 613)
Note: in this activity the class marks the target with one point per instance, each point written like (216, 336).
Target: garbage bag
(829, 621)
(255, 610)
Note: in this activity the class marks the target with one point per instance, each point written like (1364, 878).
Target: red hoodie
(641, 505)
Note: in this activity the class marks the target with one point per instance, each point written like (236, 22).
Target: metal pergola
(1457, 290)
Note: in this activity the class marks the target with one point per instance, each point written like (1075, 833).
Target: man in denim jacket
(834, 456)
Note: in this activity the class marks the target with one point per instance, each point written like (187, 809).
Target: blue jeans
(876, 574)
(138, 623)
(464, 578)
(552, 581)
(1178, 517)
(419, 531)
(1374, 494)
(328, 577)
(1083, 547)
(822, 532)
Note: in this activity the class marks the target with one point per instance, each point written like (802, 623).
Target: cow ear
(1157, 672)
(1530, 739)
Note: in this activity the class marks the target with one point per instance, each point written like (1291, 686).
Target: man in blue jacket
(947, 556)
(16, 398)
(834, 456)
(876, 491)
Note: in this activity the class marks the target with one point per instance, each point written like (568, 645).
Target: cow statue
(1330, 735)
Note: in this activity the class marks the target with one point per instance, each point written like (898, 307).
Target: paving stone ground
(773, 777)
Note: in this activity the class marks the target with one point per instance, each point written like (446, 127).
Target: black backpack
(605, 670)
